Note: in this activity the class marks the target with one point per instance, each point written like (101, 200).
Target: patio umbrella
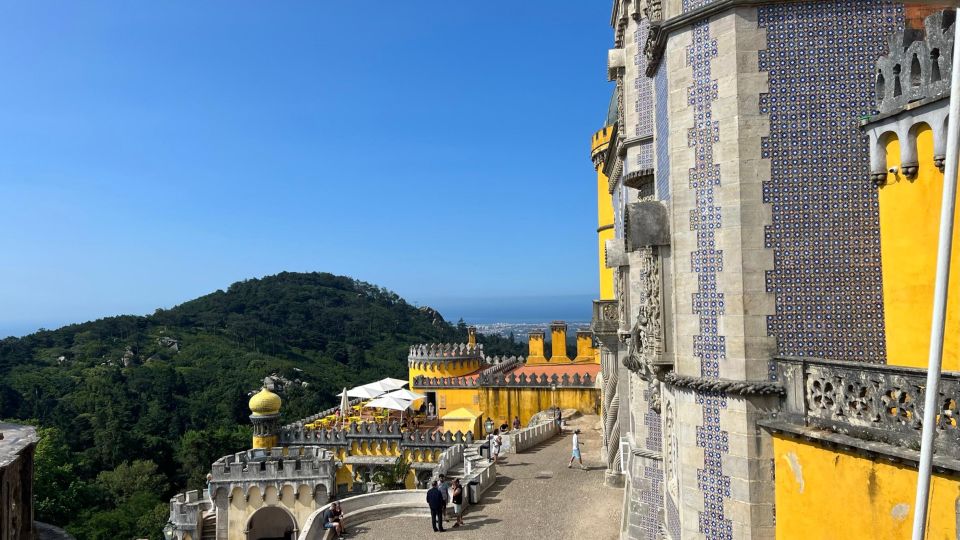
(392, 403)
(405, 394)
(344, 406)
(364, 391)
(391, 384)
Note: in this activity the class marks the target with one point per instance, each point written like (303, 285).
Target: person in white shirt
(576, 450)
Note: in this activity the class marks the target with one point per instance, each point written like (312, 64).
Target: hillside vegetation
(132, 409)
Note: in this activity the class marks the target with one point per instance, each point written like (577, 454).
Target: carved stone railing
(868, 401)
(605, 319)
(510, 380)
(441, 352)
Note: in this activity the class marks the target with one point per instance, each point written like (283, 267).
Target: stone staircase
(209, 529)
(471, 460)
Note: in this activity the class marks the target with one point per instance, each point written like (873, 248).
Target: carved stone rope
(740, 388)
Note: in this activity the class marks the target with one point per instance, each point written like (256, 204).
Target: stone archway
(272, 523)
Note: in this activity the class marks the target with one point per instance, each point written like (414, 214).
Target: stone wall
(16, 481)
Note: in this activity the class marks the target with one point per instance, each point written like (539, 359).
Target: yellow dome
(265, 403)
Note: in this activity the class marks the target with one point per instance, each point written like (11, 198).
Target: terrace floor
(535, 496)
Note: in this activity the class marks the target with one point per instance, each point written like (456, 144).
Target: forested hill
(134, 408)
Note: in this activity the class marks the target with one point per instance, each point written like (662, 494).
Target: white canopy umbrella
(392, 403)
(404, 394)
(365, 391)
(392, 384)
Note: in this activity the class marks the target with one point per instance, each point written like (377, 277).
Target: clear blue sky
(152, 152)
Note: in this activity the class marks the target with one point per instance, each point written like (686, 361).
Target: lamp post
(488, 426)
(553, 395)
(168, 531)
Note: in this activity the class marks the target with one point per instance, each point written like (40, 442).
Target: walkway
(536, 496)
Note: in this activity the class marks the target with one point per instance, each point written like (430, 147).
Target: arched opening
(935, 65)
(916, 77)
(897, 90)
(881, 87)
(271, 523)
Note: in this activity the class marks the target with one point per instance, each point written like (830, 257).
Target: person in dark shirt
(457, 498)
(331, 519)
(435, 500)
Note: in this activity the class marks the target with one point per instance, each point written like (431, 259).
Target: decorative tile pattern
(673, 519)
(825, 229)
(690, 5)
(652, 493)
(711, 481)
(643, 105)
(707, 262)
(663, 133)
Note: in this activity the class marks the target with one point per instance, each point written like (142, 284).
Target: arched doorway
(272, 523)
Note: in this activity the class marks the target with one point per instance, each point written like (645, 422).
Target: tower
(605, 228)
(265, 416)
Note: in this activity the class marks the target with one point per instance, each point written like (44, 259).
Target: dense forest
(133, 409)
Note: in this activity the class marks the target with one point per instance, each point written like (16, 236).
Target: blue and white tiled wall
(825, 232)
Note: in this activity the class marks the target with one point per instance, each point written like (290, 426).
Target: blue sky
(151, 152)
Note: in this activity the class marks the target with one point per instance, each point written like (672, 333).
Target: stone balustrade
(368, 507)
(450, 458)
(528, 437)
(870, 402)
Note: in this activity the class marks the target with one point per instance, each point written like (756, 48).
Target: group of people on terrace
(384, 401)
(442, 494)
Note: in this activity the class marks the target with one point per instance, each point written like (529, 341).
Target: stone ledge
(868, 449)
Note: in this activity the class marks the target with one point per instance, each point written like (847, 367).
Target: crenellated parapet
(445, 351)
(918, 65)
(369, 433)
(912, 84)
(451, 356)
(508, 380)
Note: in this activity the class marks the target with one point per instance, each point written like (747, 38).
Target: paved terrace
(535, 496)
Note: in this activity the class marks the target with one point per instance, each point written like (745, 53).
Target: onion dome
(265, 403)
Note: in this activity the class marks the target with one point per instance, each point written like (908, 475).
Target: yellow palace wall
(909, 229)
(444, 369)
(503, 403)
(301, 505)
(830, 494)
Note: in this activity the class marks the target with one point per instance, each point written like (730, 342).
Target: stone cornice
(725, 386)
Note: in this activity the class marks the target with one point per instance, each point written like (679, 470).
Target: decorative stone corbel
(646, 224)
(616, 63)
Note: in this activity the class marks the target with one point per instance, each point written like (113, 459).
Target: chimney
(535, 354)
(585, 351)
(472, 336)
(558, 339)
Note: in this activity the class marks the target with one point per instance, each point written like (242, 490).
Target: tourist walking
(516, 423)
(576, 450)
(496, 444)
(558, 418)
(435, 501)
(457, 498)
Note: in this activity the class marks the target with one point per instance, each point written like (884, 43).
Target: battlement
(600, 141)
(509, 380)
(441, 352)
(371, 432)
(274, 464)
(918, 64)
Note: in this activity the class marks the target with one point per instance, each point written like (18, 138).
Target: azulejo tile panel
(690, 5)
(707, 262)
(661, 93)
(825, 229)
